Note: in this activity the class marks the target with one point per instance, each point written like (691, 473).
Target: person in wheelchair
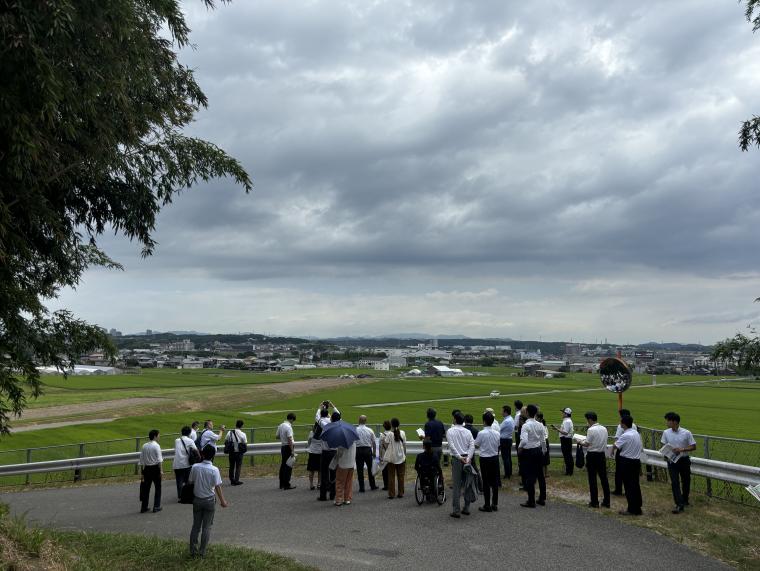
(427, 467)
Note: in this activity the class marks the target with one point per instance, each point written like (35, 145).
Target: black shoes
(541, 502)
(465, 512)
(485, 509)
(678, 510)
(593, 505)
(494, 508)
(455, 514)
(156, 510)
(290, 488)
(527, 505)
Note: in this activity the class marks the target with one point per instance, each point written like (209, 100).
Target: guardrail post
(708, 481)
(28, 461)
(78, 471)
(137, 449)
(650, 470)
(253, 439)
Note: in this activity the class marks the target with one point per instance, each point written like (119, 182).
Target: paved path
(374, 532)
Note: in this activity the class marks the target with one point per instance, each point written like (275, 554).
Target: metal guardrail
(713, 469)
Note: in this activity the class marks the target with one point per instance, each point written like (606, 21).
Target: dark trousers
(489, 471)
(567, 455)
(151, 475)
(285, 470)
(596, 465)
(519, 460)
(680, 470)
(236, 462)
(385, 477)
(506, 456)
(533, 469)
(618, 475)
(181, 476)
(326, 476)
(631, 470)
(364, 458)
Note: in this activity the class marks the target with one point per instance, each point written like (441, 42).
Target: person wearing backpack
(235, 446)
(208, 436)
(185, 455)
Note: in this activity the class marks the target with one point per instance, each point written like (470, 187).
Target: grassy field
(173, 398)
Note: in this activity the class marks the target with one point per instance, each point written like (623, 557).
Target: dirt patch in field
(292, 388)
(61, 424)
(86, 408)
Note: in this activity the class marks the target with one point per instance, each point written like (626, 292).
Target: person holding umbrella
(341, 435)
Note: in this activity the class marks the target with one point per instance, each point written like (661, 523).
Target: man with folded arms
(531, 452)
(682, 442)
(630, 447)
(596, 460)
(461, 450)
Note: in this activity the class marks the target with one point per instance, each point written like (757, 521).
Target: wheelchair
(430, 488)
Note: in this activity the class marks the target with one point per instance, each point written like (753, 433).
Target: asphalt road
(374, 532)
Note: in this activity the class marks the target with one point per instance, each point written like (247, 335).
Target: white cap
(567, 410)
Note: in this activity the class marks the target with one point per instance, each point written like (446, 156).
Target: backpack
(198, 439)
(192, 457)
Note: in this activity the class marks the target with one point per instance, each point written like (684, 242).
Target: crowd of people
(333, 467)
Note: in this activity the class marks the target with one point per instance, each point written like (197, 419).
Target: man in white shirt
(506, 434)
(194, 431)
(461, 450)
(630, 447)
(531, 452)
(618, 490)
(208, 436)
(236, 437)
(596, 460)
(287, 449)
(488, 442)
(566, 431)
(682, 442)
(365, 452)
(207, 486)
(151, 461)
(184, 452)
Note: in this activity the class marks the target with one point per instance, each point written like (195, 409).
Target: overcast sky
(530, 170)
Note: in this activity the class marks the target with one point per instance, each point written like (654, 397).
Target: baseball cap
(567, 410)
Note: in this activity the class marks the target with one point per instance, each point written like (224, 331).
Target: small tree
(92, 104)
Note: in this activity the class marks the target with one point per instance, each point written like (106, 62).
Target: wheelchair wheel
(440, 488)
(419, 493)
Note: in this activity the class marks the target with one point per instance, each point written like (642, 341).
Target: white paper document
(755, 491)
(670, 454)
(420, 433)
(579, 438)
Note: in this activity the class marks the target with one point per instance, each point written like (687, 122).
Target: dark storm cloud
(504, 139)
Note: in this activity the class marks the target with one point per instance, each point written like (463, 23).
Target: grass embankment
(26, 548)
(717, 528)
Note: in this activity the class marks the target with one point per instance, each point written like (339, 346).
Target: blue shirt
(507, 428)
(434, 430)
